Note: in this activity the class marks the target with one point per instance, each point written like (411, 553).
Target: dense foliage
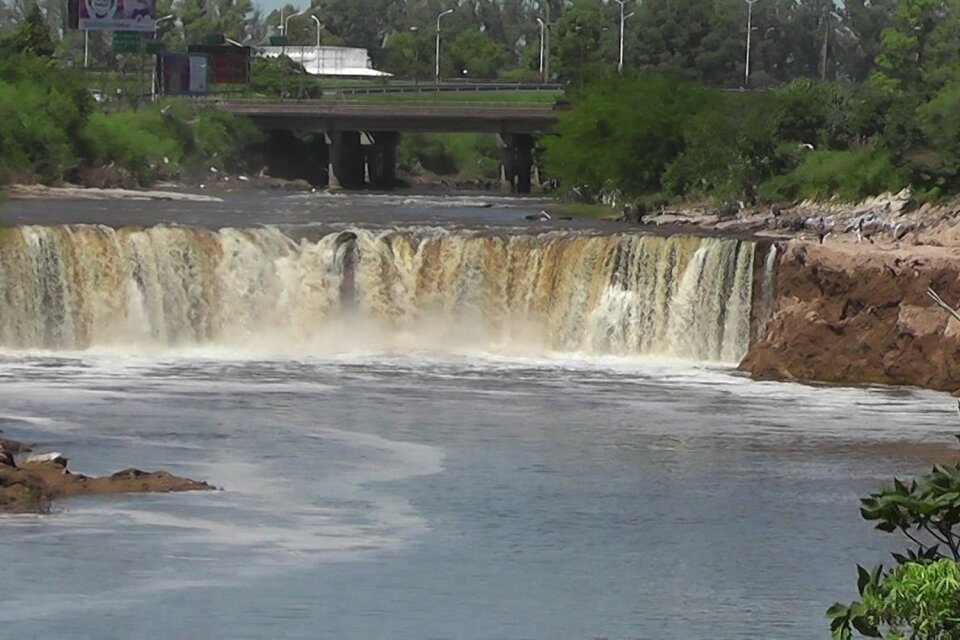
(51, 128)
(920, 596)
(653, 134)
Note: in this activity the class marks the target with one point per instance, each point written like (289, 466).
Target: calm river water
(455, 494)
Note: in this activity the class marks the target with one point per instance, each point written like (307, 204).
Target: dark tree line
(905, 43)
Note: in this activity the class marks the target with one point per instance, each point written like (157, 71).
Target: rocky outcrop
(852, 313)
(30, 483)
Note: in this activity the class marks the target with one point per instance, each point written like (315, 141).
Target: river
(423, 470)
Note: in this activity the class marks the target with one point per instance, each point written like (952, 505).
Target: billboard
(229, 64)
(116, 15)
(184, 73)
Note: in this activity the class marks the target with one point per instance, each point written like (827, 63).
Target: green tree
(31, 36)
(920, 597)
(474, 53)
(583, 43)
(409, 55)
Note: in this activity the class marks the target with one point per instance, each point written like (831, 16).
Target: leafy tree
(920, 597)
(695, 39)
(31, 36)
(475, 53)
(581, 39)
(409, 55)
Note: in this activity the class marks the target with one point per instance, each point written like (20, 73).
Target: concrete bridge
(360, 141)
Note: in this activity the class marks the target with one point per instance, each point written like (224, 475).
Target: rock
(851, 313)
(33, 485)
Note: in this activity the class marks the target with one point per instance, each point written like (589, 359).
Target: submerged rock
(31, 483)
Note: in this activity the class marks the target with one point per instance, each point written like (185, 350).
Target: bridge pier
(382, 160)
(516, 162)
(346, 159)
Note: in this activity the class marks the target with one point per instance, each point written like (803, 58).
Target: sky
(266, 6)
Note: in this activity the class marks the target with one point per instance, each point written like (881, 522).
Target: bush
(466, 154)
(920, 597)
(849, 175)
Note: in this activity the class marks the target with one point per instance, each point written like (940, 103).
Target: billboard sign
(116, 15)
(229, 64)
(184, 73)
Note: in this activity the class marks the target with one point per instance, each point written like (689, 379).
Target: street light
(543, 28)
(623, 19)
(826, 41)
(746, 72)
(436, 74)
(153, 76)
(286, 22)
(319, 26)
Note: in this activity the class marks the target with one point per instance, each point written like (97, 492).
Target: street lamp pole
(153, 76)
(746, 72)
(623, 19)
(319, 26)
(286, 22)
(436, 74)
(543, 28)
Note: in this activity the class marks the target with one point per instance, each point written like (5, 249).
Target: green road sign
(278, 41)
(153, 47)
(126, 41)
(215, 38)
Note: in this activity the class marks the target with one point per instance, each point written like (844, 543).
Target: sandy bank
(30, 483)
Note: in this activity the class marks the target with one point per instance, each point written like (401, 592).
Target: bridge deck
(324, 116)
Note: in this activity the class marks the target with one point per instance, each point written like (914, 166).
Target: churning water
(428, 433)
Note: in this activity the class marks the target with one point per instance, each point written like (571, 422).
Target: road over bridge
(360, 139)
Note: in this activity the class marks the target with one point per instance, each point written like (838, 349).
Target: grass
(458, 97)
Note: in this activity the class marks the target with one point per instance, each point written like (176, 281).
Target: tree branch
(940, 303)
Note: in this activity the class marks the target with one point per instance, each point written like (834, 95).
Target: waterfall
(79, 287)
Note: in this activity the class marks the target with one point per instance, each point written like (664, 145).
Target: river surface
(446, 493)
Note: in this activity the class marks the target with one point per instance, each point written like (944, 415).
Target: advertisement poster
(184, 73)
(116, 15)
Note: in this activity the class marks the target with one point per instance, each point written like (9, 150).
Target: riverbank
(31, 482)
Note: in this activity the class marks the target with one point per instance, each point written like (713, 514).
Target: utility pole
(746, 72)
(436, 75)
(623, 19)
(543, 28)
(546, 47)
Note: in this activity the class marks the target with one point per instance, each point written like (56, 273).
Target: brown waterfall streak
(83, 287)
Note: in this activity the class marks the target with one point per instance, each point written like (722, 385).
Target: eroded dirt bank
(852, 313)
(30, 483)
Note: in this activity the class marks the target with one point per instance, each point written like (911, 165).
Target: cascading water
(87, 286)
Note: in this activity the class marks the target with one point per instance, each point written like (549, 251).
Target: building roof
(327, 61)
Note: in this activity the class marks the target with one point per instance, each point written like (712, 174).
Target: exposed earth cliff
(850, 313)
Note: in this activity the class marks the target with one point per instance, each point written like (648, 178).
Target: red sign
(228, 64)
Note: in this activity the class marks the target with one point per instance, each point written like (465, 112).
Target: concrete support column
(319, 153)
(516, 162)
(382, 159)
(346, 159)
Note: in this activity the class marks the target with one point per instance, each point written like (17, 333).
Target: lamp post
(623, 19)
(153, 76)
(826, 41)
(543, 28)
(436, 74)
(746, 71)
(319, 26)
(286, 22)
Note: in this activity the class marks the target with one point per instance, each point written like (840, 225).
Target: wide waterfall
(79, 287)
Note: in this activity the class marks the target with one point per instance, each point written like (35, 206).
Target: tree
(582, 42)
(694, 39)
(409, 55)
(472, 52)
(920, 596)
(920, 50)
(32, 36)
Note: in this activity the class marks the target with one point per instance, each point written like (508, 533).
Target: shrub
(920, 597)
(849, 175)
